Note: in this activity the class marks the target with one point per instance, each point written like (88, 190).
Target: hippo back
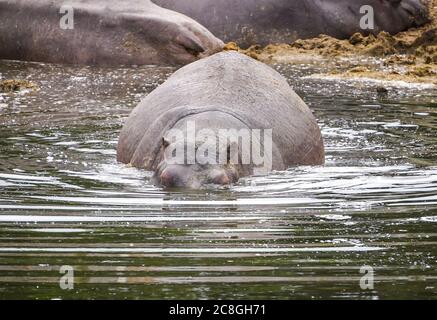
(232, 83)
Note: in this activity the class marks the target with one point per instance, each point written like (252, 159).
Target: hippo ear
(228, 155)
(233, 156)
(165, 143)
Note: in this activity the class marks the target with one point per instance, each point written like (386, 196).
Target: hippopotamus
(226, 95)
(262, 22)
(101, 32)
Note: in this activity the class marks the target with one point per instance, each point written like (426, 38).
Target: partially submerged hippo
(105, 32)
(283, 21)
(264, 123)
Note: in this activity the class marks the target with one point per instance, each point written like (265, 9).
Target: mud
(12, 85)
(409, 56)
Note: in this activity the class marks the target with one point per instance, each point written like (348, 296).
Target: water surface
(299, 234)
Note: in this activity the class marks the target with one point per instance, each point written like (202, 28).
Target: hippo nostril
(225, 180)
(221, 180)
(167, 178)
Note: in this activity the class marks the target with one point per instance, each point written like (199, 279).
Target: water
(304, 233)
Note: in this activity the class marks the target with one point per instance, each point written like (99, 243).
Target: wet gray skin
(214, 95)
(104, 33)
(263, 22)
(198, 175)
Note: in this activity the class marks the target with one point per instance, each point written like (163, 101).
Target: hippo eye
(165, 143)
(228, 154)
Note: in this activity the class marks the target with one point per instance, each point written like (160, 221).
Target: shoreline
(409, 56)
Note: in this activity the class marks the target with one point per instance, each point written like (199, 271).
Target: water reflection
(302, 233)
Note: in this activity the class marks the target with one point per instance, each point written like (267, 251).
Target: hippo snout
(172, 177)
(182, 176)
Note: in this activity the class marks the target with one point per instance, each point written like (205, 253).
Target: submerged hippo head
(180, 169)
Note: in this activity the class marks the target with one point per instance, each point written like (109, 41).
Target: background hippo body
(105, 33)
(236, 87)
(282, 21)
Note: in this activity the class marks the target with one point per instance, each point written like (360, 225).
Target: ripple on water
(302, 233)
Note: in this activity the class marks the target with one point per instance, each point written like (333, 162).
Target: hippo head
(343, 18)
(179, 38)
(178, 171)
(412, 13)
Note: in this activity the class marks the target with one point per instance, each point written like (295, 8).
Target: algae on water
(12, 85)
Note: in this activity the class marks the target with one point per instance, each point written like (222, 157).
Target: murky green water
(304, 233)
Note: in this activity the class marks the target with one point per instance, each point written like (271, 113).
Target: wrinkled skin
(262, 22)
(225, 91)
(106, 32)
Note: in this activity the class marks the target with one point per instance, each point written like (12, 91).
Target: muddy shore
(409, 56)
